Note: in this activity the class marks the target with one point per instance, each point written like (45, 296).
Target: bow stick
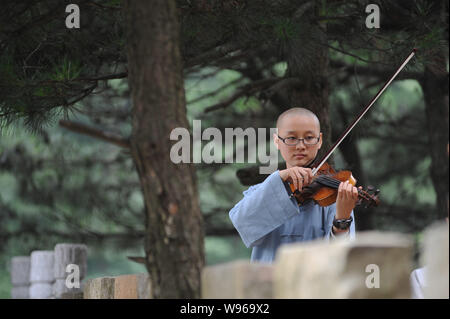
(363, 112)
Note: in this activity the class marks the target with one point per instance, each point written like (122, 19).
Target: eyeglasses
(292, 141)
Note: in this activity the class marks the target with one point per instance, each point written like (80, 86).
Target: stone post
(135, 286)
(99, 288)
(435, 259)
(68, 280)
(41, 274)
(374, 265)
(125, 287)
(237, 279)
(20, 277)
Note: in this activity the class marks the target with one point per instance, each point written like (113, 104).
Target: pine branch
(207, 57)
(273, 84)
(215, 92)
(372, 71)
(105, 136)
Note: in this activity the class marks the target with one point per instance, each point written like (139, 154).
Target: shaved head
(296, 111)
(300, 124)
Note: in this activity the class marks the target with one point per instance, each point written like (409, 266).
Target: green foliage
(45, 66)
(284, 28)
(66, 70)
(221, 250)
(59, 185)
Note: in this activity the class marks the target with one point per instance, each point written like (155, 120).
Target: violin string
(335, 183)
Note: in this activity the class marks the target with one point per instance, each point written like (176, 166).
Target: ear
(276, 141)
(320, 140)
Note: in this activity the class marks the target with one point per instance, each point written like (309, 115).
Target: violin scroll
(369, 197)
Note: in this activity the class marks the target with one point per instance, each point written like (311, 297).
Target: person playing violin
(269, 216)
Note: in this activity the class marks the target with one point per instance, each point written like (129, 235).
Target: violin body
(324, 188)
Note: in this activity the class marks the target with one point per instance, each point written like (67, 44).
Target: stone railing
(49, 274)
(135, 286)
(374, 265)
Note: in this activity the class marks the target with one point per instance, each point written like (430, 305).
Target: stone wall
(134, 286)
(374, 265)
(435, 258)
(49, 274)
(20, 277)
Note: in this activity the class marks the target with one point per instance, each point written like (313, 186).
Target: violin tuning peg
(377, 192)
(370, 188)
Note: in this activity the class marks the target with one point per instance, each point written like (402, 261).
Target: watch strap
(343, 223)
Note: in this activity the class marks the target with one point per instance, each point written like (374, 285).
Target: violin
(324, 187)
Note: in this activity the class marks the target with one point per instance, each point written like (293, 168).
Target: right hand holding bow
(298, 176)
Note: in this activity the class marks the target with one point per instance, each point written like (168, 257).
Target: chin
(300, 163)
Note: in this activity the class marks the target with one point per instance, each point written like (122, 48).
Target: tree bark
(174, 226)
(435, 91)
(308, 61)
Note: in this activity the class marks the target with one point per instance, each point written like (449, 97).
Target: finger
(297, 179)
(304, 177)
(308, 175)
(355, 194)
(360, 188)
(350, 191)
(340, 190)
(293, 177)
(303, 174)
(300, 179)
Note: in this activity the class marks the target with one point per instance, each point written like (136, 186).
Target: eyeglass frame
(298, 141)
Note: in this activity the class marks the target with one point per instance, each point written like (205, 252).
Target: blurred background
(64, 176)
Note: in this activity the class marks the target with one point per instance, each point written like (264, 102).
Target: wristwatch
(342, 223)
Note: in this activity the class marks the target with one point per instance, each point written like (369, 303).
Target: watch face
(342, 224)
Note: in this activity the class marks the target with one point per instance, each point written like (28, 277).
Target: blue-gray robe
(268, 216)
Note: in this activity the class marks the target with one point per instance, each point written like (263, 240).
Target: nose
(300, 145)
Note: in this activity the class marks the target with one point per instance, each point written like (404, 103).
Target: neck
(307, 165)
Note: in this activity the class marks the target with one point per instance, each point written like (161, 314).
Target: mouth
(299, 156)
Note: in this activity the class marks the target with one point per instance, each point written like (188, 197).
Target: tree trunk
(174, 225)
(435, 90)
(307, 59)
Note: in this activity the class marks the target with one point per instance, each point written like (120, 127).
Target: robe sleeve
(264, 208)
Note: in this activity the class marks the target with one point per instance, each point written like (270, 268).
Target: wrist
(342, 215)
(342, 224)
